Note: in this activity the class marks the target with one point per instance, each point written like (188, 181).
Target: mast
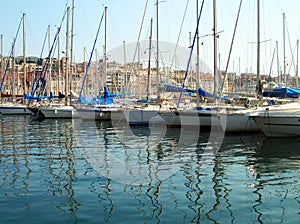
(197, 63)
(50, 61)
(104, 47)
(24, 54)
(58, 63)
(216, 80)
(2, 64)
(149, 60)
(278, 67)
(125, 67)
(71, 50)
(67, 57)
(18, 81)
(157, 54)
(297, 81)
(284, 68)
(13, 77)
(138, 71)
(84, 65)
(190, 68)
(239, 84)
(258, 49)
(97, 73)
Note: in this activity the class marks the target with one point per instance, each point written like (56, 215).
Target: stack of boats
(280, 120)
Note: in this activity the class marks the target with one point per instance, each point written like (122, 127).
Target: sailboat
(195, 116)
(96, 108)
(143, 113)
(57, 109)
(227, 117)
(15, 106)
(279, 120)
(236, 120)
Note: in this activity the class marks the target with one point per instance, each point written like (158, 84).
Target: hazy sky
(124, 21)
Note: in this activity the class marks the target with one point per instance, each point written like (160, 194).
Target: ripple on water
(47, 175)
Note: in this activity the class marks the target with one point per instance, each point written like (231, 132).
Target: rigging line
(39, 62)
(46, 65)
(10, 55)
(292, 55)
(145, 50)
(231, 45)
(138, 41)
(269, 77)
(293, 63)
(181, 26)
(191, 52)
(29, 28)
(149, 63)
(90, 59)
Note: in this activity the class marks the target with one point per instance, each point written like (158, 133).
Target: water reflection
(275, 167)
(12, 159)
(64, 171)
(37, 161)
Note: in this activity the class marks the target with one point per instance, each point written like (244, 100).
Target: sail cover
(283, 92)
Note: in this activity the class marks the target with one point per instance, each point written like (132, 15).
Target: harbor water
(73, 171)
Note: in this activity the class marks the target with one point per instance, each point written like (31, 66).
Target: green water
(64, 171)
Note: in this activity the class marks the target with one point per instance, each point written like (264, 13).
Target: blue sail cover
(95, 100)
(104, 100)
(170, 88)
(175, 89)
(87, 100)
(107, 98)
(30, 97)
(282, 92)
(210, 95)
(108, 94)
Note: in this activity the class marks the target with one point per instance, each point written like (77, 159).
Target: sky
(177, 18)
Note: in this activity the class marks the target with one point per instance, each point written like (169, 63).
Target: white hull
(135, 116)
(66, 112)
(279, 121)
(97, 112)
(12, 109)
(232, 121)
(202, 119)
(237, 121)
(279, 127)
(93, 114)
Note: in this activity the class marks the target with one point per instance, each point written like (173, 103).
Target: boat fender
(247, 104)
